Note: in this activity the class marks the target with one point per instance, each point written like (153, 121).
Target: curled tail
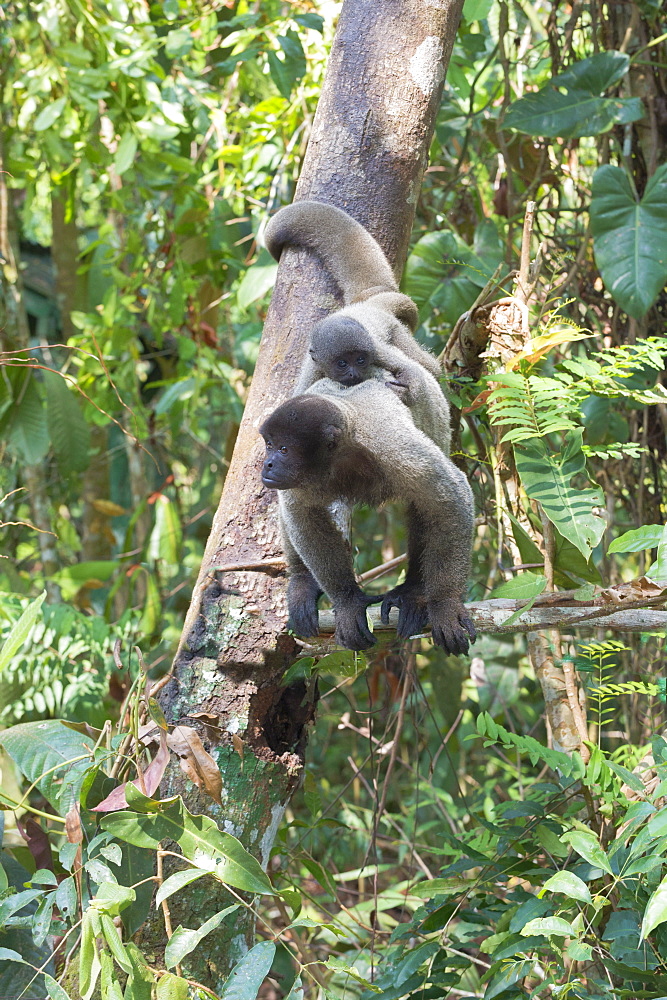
(349, 251)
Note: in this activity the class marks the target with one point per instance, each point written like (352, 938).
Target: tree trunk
(367, 154)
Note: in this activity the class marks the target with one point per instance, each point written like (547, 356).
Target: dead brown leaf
(195, 761)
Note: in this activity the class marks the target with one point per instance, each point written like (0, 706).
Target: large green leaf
(24, 424)
(445, 274)
(248, 975)
(638, 539)
(581, 110)
(200, 840)
(68, 430)
(546, 477)
(47, 753)
(630, 237)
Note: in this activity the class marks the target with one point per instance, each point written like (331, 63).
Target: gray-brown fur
(414, 385)
(362, 271)
(360, 445)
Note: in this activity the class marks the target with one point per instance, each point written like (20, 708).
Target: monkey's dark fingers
(469, 626)
(412, 617)
(451, 628)
(388, 602)
(352, 629)
(303, 621)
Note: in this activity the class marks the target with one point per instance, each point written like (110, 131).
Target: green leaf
(508, 974)
(476, 10)
(659, 568)
(111, 898)
(89, 960)
(638, 539)
(257, 281)
(546, 477)
(184, 940)
(68, 430)
(200, 840)
(52, 756)
(113, 940)
(581, 110)
(656, 909)
(49, 114)
(524, 586)
(54, 989)
(548, 926)
(587, 845)
(20, 631)
(630, 237)
(177, 881)
(26, 427)
(444, 274)
(171, 987)
(248, 975)
(127, 148)
(166, 536)
(569, 884)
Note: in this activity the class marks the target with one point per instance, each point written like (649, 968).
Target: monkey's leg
(303, 591)
(446, 508)
(409, 596)
(327, 555)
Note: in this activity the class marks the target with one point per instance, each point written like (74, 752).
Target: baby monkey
(350, 355)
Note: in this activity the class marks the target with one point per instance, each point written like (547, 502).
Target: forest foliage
(444, 843)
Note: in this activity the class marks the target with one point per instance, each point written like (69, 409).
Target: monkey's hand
(352, 629)
(411, 603)
(303, 593)
(400, 389)
(451, 626)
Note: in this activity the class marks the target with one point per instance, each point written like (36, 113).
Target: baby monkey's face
(348, 367)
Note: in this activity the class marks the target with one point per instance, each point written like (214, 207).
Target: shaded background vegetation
(143, 147)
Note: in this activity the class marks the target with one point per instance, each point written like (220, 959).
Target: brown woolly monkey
(361, 270)
(350, 355)
(334, 447)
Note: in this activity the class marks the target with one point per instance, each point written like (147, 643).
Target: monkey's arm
(324, 551)
(401, 338)
(352, 255)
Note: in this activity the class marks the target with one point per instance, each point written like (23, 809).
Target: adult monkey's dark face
(300, 440)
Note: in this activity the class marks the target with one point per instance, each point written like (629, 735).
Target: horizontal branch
(490, 616)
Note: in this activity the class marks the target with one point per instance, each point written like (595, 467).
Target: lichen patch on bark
(426, 67)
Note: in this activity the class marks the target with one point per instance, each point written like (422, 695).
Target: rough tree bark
(367, 154)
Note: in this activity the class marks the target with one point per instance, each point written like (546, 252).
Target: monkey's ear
(331, 435)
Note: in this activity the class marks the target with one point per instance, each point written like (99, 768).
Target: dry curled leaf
(637, 590)
(196, 763)
(150, 781)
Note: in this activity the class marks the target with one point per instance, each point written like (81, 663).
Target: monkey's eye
(283, 450)
(341, 363)
(361, 360)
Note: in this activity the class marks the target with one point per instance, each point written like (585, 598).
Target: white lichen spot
(238, 948)
(270, 834)
(438, 4)
(234, 725)
(232, 828)
(210, 676)
(235, 613)
(426, 67)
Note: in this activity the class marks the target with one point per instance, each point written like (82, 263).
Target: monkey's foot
(303, 593)
(412, 612)
(352, 629)
(451, 626)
